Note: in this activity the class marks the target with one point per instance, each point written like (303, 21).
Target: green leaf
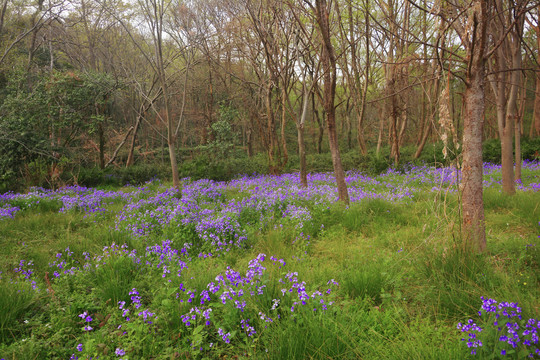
(198, 329)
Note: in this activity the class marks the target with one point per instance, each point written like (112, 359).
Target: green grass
(405, 281)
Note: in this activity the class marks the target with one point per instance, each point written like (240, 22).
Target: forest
(219, 176)
(112, 84)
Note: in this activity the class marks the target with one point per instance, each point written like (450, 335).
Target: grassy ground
(405, 282)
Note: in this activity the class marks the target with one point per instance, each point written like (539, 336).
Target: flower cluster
(87, 319)
(235, 292)
(26, 269)
(473, 330)
(505, 320)
(8, 211)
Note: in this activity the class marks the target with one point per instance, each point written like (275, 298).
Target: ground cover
(259, 267)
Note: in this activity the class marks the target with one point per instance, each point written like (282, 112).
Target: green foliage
(324, 336)
(491, 149)
(456, 278)
(223, 134)
(134, 175)
(530, 148)
(367, 279)
(42, 122)
(114, 279)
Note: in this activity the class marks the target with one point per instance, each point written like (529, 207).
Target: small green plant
(16, 298)
(114, 278)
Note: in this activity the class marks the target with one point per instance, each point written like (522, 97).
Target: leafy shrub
(491, 151)
(134, 175)
(530, 148)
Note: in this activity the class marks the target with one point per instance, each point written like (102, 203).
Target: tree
(154, 13)
(506, 30)
(41, 15)
(273, 30)
(473, 36)
(321, 12)
(357, 78)
(535, 124)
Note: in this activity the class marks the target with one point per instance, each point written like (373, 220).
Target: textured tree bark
(535, 126)
(472, 181)
(517, 140)
(171, 138)
(509, 186)
(472, 205)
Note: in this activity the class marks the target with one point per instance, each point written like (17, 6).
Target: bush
(530, 148)
(491, 151)
(135, 175)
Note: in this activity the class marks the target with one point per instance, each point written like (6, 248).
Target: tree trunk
(249, 142)
(33, 38)
(131, 158)
(271, 132)
(517, 134)
(472, 173)
(284, 98)
(519, 130)
(472, 182)
(361, 115)
(381, 130)
(320, 124)
(535, 125)
(328, 60)
(115, 154)
(2, 16)
(301, 141)
(423, 140)
(507, 64)
(171, 138)
(101, 137)
(429, 118)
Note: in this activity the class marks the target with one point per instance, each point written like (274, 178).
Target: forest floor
(259, 267)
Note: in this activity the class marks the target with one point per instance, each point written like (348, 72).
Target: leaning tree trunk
(131, 152)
